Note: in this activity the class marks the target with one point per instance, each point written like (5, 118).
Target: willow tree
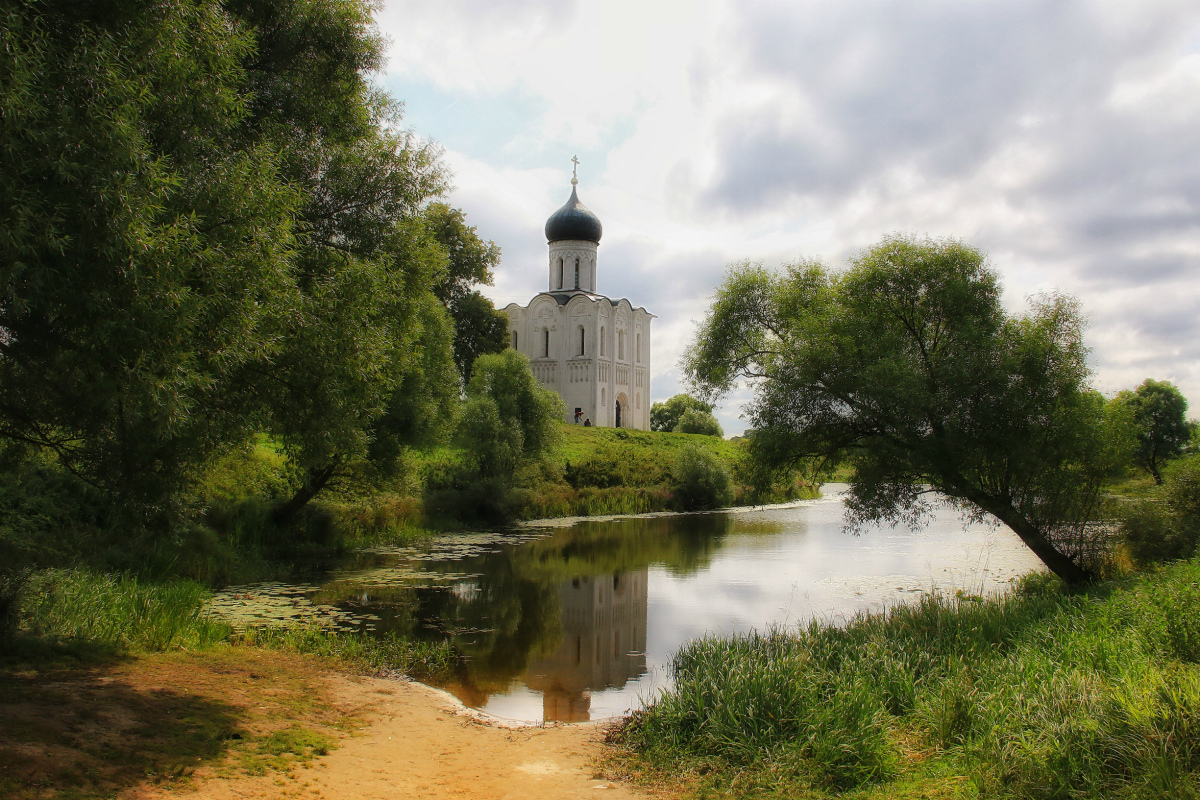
(145, 238)
(907, 366)
(211, 223)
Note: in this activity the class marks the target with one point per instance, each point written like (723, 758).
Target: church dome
(573, 221)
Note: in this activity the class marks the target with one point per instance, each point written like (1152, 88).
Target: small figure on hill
(587, 423)
(578, 415)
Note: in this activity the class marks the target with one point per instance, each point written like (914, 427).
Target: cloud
(1060, 137)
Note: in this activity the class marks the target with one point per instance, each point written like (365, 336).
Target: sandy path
(420, 743)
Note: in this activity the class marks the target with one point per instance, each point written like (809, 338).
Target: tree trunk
(1042, 547)
(316, 480)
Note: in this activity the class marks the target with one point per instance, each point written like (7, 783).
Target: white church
(593, 350)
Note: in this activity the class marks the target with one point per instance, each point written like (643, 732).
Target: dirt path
(240, 722)
(418, 744)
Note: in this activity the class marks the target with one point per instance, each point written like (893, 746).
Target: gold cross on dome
(575, 169)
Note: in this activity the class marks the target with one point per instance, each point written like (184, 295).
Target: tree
(665, 416)
(907, 366)
(700, 480)
(212, 223)
(701, 422)
(508, 419)
(1160, 425)
(478, 327)
(146, 239)
(364, 263)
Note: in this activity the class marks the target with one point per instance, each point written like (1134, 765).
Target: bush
(1167, 530)
(700, 480)
(1155, 533)
(1181, 486)
(696, 421)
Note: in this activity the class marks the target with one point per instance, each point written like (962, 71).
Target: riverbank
(1042, 693)
(242, 722)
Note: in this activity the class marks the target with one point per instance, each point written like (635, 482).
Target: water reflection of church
(603, 644)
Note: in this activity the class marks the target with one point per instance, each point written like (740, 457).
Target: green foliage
(478, 327)
(1154, 533)
(216, 225)
(147, 237)
(665, 416)
(1043, 693)
(1158, 413)
(1165, 528)
(907, 367)
(548, 501)
(508, 419)
(701, 422)
(1182, 487)
(118, 611)
(700, 480)
(388, 653)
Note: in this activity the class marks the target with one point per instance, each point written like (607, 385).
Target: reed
(1039, 694)
(120, 611)
(385, 654)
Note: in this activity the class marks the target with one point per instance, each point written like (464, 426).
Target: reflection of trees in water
(510, 613)
(682, 543)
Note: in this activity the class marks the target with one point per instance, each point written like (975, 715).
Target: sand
(421, 743)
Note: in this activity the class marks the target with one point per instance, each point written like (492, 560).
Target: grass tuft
(1043, 693)
(386, 654)
(120, 611)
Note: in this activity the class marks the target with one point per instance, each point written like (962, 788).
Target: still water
(579, 621)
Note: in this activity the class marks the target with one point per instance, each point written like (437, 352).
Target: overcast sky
(1061, 137)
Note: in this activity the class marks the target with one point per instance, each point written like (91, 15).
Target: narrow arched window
(582, 340)
(577, 273)
(546, 343)
(514, 333)
(560, 273)
(621, 344)
(639, 348)
(601, 340)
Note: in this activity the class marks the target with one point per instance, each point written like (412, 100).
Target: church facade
(593, 350)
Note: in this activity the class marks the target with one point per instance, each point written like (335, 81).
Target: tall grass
(1040, 694)
(383, 654)
(549, 500)
(118, 610)
(124, 614)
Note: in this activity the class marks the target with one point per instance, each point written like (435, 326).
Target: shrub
(696, 421)
(1168, 530)
(1155, 533)
(700, 480)
(1181, 486)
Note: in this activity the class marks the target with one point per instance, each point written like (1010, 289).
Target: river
(577, 620)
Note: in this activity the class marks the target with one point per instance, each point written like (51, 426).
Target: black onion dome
(573, 221)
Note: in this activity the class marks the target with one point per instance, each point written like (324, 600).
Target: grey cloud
(527, 17)
(938, 86)
(1116, 270)
(651, 277)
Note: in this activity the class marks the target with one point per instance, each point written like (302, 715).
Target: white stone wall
(586, 349)
(565, 257)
